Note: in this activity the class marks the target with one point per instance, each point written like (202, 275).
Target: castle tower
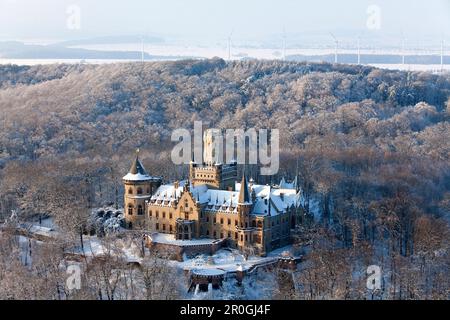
(244, 208)
(139, 187)
(212, 172)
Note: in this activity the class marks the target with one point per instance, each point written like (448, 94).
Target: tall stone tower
(244, 208)
(213, 172)
(139, 187)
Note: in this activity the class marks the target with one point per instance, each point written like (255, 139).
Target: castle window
(207, 218)
(130, 191)
(221, 221)
(186, 216)
(170, 216)
(150, 213)
(157, 214)
(148, 190)
(215, 234)
(157, 226)
(242, 237)
(139, 191)
(254, 224)
(170, 228)
(235, 235)
(140, 211)
(229, 221)
(235, 222)
(246, 237)
(221, 235)
(215, 220)
(164, 227)
(229, 234)
(130, 210)
(207, 232)
(164, 215)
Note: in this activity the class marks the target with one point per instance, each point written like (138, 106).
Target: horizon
(204, 23)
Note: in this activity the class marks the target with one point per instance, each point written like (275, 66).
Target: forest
(371, 148)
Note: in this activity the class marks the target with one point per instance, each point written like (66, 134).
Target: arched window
(130, 210)
(130, 191)
(140, 210)
(139, 191)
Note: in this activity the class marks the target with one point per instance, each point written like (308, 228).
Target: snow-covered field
(221, 50)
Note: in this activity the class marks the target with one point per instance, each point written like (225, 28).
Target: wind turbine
(403, 50)
(229, 45)
(284, 44)
(336, 46)
(359, 50)
(142, 49)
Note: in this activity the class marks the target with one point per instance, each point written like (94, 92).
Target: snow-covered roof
(137, 171)
(271, 201)
(165, 238)
(137, 177)
(166, 194)
(218, 200)
(285, 185)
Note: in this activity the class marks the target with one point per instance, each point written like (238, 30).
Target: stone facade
(253, 218)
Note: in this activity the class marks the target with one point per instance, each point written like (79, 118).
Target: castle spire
(244, 195)
(137, 171)
(137, 167)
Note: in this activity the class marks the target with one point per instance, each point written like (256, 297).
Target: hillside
(370, 147)
(41, 105)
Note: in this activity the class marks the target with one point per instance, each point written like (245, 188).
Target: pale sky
(47, 19)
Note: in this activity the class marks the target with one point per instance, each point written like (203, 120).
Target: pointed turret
(139, 187)
(137, 171)
(244, 194)
(136, 166)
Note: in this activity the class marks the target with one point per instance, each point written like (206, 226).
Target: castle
(213, 204)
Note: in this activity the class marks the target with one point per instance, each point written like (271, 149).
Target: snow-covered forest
(371, 147)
